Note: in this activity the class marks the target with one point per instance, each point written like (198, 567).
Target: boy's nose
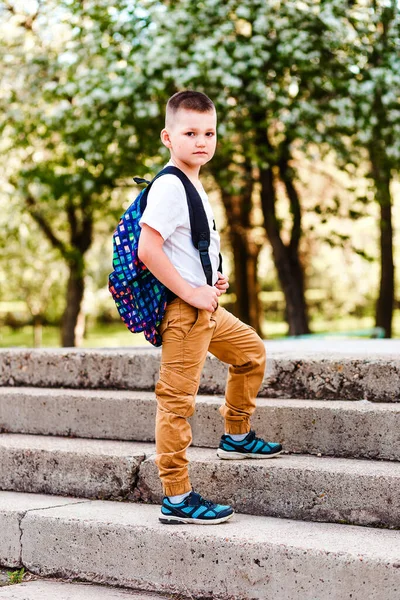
(200, 142)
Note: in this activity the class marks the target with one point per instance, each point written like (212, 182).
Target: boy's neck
(192, 173)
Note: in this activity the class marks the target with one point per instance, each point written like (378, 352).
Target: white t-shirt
(167, 212)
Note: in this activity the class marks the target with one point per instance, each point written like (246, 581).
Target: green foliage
(69, 118)
(16, 576)
(82, 94)
(267, 66)
(71, 131)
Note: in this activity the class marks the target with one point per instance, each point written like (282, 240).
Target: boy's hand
(222, 283)
(204, 297)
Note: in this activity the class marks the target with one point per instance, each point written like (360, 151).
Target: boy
(194, 323)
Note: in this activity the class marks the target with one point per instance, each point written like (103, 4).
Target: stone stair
(294, 486)
(358, 429)
(81, 492)
(61, 590)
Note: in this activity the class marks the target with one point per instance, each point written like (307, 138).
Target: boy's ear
(165, 138)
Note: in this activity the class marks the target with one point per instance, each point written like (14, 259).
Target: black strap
(140, 180)
(202, 247)
(200, 229)
(220, 263)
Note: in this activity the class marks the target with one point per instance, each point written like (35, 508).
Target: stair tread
(29, 442)
(95, 394)
(249, 529)
(246, 557)
(334, 428)
(319, 369)
(53, 443)
(51, 590)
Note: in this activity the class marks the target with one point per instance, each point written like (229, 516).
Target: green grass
(354, 323)
(100, 336)
(116, 335)
(341, 324)
(16, 576)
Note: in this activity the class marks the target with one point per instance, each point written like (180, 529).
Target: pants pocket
(176, 393)
(180, 320)
(189, 319)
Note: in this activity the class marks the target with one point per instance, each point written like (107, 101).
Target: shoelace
(253, 438)
(207, 503)
(269, 444)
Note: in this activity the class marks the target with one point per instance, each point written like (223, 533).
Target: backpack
(141, 299)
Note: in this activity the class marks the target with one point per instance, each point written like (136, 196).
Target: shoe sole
(179, 520)
(224, 454)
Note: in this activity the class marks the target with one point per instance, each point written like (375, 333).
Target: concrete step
(297, 487)
(58, 590)
(73, 467)
(247, 558)
(359, 429)
(309, 488)
(322, 370)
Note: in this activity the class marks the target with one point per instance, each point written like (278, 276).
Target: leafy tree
(84, 86)
(269, 68)
(368, 117)
(25, 275)
(68, 115)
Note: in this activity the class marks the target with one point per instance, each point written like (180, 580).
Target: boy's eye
(192, 133)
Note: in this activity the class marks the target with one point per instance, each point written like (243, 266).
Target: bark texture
(80, 221)
(74, 297)
(385, 300)
(245, 259)
(381, 170)
(286, 256)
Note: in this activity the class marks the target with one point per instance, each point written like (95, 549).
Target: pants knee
(259, 355)
(180, 406)
(262, 353)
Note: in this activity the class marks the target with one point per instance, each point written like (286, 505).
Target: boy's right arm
(151, 253)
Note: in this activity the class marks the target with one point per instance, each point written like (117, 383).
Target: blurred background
(304, 184)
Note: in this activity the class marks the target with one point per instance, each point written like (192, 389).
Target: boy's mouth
(200, 153)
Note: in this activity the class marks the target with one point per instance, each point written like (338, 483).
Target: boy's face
(191, 137)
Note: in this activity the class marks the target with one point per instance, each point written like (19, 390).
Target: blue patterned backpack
(141, 299)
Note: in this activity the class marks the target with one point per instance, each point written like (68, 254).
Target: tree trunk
(81, 235)
(81, 239)
(245, 259)
(286, 257)
(37, 331)
(292, 281)
(75, 290)
(80, 328)
(385, 301)
(381, 173)
(245, 253)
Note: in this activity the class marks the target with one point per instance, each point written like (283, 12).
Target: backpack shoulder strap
(198, 221)
(200, 229)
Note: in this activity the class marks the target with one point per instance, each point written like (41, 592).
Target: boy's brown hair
(189, 100)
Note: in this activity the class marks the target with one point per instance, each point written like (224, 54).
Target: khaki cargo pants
(188, 334)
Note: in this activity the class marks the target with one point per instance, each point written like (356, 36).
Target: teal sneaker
(250, 447)
(194, 509)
